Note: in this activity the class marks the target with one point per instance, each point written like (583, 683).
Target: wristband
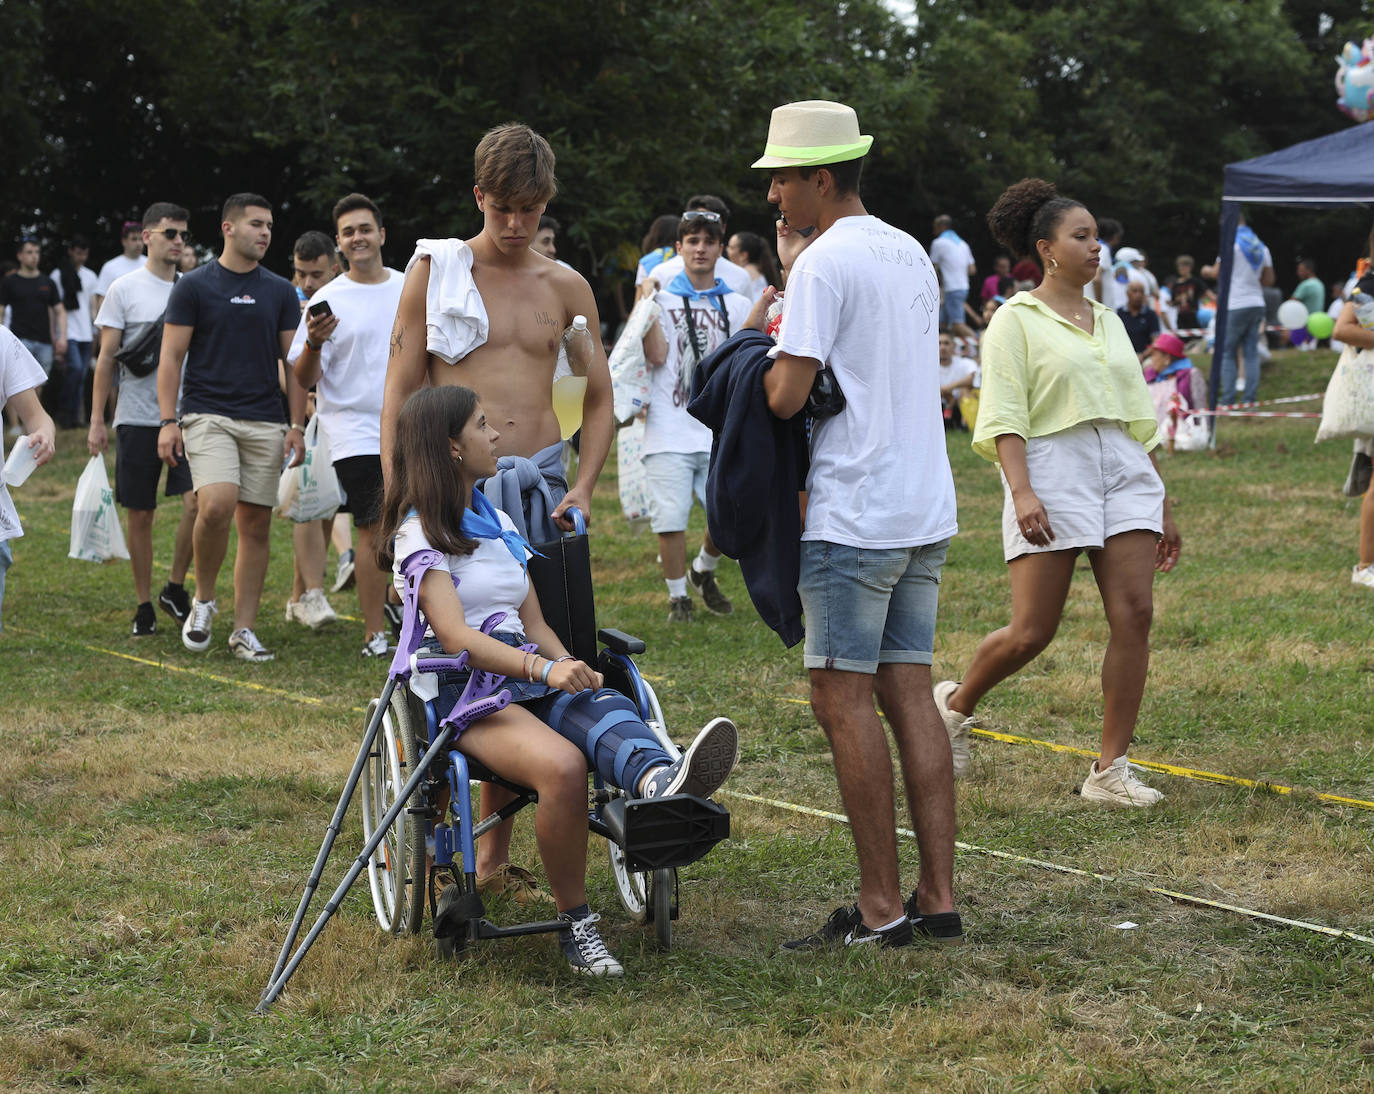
(565, 657)
(311, 345)
(548, 668)
(167, 422)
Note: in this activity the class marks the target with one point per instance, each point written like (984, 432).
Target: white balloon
(1293, 314)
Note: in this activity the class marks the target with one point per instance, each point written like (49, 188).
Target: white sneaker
(958, 725)
(244, 645)
(1363, 575)
(195, 632)
(1118, 785)
(311, 610)
(376, 645)
(343, 576)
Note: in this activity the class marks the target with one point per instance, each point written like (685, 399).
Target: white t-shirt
(756, 287)
(348, 397)
(1113, 290)
(952, 257)
(1246, 290)
(863, 299)
(18, 372)
(130, 304)
(737, 277)
(114, 269)
(489, 579)
(79, 318)
(959, 368)
(669, 428)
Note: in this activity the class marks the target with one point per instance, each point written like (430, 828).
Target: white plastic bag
(1348, 409)
(634, 487)
(629, 369)
(310, 491)
(96, 534)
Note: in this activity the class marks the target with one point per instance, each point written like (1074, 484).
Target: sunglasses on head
(172, 233)
(701, 214)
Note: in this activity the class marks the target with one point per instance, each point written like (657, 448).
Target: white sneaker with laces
(311, 610)
(195, 632)
(343, 575)
(376, 645)
(1118, 785)
(1363, 575)
(958, 725)
(244, 645)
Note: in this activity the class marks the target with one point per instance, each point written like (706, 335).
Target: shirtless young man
(529, 301)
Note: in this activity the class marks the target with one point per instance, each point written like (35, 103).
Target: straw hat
(813, 133)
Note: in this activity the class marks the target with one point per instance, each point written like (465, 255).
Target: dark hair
(662, 233)
(846, 175)
(424, 476)
(711, 202)
(687, 225)
(71, 284)
(351, 203)
(761, 255)
(547, 221)
(313, 245)
(1028, 211)
(1311, 265)
(235, 204)
(159, 211)
(514, 162)
(1109, 228)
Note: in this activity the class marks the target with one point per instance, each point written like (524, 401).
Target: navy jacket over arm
(758, 465)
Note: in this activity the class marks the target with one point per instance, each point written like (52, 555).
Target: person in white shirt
(698, 311)
(954, 264)
(76, 283)
(1252, 271)
(132, 258)
(21, 377)
(735, 276)
(863, 301)
(958, 377)
(343, 353)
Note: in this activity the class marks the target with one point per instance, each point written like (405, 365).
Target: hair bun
(1011, 217)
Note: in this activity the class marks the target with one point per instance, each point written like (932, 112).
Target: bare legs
(1124, 570)
(217, 506)
(1367, 528)
(371, 583)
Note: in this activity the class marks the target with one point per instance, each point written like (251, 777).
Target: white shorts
(1095, 481)
(672, 479)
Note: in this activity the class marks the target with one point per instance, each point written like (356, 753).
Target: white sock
(889, 926)
(705, 564)
(677, 587)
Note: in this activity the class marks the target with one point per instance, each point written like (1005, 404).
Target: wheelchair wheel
(630, 885)
(396, 870)
(662, 906)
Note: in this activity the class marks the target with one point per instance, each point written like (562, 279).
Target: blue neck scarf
(481, 522)
(1250, 246)
(950, 233)
(681, 286)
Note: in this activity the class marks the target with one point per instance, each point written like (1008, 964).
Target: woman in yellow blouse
(1066, 413)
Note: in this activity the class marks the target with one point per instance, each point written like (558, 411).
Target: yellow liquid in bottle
(567, 403)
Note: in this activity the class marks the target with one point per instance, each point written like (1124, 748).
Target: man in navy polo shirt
(232, 320)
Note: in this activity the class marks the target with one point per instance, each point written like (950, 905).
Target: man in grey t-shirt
(132, 303)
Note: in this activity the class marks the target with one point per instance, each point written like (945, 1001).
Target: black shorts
(361, 479)
(137, 468)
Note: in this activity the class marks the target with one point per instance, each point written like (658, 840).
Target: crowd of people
(794, 387)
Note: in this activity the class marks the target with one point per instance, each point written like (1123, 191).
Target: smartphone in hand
(320, 309)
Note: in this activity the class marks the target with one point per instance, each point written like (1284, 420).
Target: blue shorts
(866, 607)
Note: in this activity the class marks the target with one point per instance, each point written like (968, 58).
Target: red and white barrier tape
(1227, 412)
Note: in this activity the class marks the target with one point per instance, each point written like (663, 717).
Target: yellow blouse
(1042, 374)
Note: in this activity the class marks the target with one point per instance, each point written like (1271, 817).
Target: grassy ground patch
(161, 810)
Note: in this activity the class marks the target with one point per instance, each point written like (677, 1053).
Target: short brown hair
(514, 162)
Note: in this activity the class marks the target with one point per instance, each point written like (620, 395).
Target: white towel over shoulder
(455, 317)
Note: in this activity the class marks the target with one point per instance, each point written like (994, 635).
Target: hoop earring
(1054, 265)
(460, 457)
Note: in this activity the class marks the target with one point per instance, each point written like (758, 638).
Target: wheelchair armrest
(620, 642)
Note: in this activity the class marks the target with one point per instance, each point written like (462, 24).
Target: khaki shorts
(245, 453)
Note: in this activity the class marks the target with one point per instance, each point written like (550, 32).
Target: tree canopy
(1132, 106)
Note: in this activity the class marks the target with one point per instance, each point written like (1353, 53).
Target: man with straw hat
(860, 327)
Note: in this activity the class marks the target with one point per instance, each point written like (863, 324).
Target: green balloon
(1320, 325)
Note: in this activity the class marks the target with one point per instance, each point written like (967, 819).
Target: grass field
(161, 811)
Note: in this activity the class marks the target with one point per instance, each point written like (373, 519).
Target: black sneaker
(582, 946)
(704, 582)
(943, 927)
(395, 615)
(145, 622)
(680, 609)
(175, 601)
(1357, 482)
(846, 927)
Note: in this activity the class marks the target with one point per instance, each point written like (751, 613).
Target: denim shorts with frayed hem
(869, 606)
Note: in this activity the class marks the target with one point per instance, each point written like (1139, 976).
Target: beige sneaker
(957, 724)
(1118, 785)
(311, 610)
(513, 881)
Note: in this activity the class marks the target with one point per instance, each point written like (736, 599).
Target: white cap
(579, 322)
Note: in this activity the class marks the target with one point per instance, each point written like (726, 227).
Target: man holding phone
(341, 348)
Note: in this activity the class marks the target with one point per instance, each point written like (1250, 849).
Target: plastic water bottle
(577, 343)
(569, 391)
(1364, 308)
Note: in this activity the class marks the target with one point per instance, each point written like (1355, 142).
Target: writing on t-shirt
(709, 327)
(897, 254)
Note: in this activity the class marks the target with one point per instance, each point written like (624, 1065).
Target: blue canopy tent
(1327, 171)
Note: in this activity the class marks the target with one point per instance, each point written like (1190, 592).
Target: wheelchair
(435, 834)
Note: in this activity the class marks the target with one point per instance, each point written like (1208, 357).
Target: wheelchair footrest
(454, 910)
(656, 833)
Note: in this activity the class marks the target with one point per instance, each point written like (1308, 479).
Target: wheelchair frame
(646, 839)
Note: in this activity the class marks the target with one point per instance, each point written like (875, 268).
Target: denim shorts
(866, 607)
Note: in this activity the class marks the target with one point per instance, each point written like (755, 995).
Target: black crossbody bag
(141, 355)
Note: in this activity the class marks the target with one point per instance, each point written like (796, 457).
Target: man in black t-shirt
(37, 317)
(1187, 292)
(232, 320)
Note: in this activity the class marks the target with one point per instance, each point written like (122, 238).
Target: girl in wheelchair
(561, 719)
